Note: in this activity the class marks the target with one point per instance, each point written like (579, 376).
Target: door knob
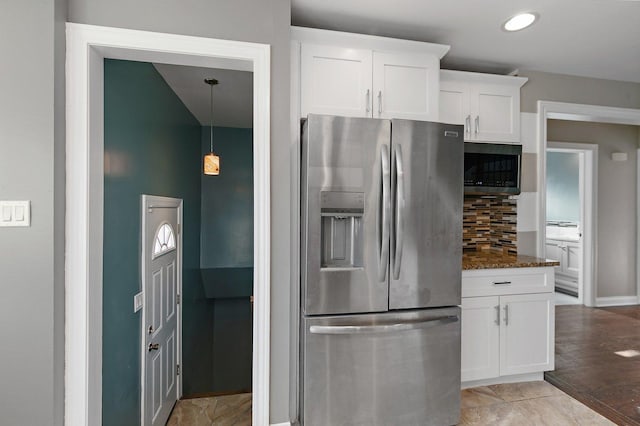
(154, 346)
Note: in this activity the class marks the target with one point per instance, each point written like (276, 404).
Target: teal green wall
(563, 190)
(152, 146)
(227, 255)
(227, 200)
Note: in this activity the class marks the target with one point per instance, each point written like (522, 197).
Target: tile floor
(524, 404)
(228, 410)
(521, 404)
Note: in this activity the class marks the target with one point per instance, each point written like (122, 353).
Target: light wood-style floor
(516, 404)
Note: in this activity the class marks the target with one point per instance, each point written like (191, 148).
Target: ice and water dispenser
(342, 234)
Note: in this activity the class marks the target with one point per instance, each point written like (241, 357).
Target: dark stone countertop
(491, 259)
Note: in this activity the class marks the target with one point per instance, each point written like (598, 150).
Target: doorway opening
(570, 209)
(87, 49)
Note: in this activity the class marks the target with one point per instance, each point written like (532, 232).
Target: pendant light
(211, 160)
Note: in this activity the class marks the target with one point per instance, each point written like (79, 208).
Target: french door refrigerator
(380, 272)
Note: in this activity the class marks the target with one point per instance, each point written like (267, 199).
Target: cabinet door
(405, 86)
(454, 104)
(495, 113)
(335, 81)
(573, 254)
(527, 333)
(554, 252)
(480, 338)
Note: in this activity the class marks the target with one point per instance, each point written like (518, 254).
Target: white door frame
(87, 46)
(575, 112)
(588, 214)
(148, 201)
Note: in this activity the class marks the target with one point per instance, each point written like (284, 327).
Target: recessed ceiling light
(520, 21)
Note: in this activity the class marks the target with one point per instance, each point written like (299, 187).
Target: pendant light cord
(211, 117)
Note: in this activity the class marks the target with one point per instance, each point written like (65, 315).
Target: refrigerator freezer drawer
(382, 369)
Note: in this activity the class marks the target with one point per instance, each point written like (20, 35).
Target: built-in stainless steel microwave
(492, 168)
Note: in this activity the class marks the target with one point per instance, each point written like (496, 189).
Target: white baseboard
(281, 424)
(616, 301)
(515, 378)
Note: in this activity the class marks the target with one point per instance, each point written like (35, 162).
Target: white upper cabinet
(405, 86)
(366, 76)
(487, 105)
(335, 80)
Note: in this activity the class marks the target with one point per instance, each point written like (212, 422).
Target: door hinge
(177, 299)
(178, 370)
(178, 226)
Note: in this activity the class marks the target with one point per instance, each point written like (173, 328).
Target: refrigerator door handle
(382, 328)
(399, 213)
(386, 210)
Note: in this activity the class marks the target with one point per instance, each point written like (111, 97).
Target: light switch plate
(138, 301)
(15, 213)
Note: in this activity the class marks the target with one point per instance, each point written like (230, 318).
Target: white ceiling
(592, 38)
(232, 96)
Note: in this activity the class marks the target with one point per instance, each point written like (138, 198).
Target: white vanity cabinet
(569, 254)
(487, 105)
(364, 76)
(507, 323)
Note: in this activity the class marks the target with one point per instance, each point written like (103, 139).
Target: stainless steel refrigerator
(380, 272)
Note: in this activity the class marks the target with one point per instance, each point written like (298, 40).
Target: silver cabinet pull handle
(154, 346)
(379, 102)
(399, 214)
(382, 328)
(501, 282)
(497, 308)
(467, 124)
(386, 212)
(477, 124)
(506, 314)
(368, 100)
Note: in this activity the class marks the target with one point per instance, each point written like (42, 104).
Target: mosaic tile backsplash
(490, 223)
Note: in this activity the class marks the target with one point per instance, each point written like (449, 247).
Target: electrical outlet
(138, 301)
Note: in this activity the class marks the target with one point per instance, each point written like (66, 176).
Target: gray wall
(616, 223)
(246, 20)
(579, 90)
(563, 186)
(32, 168)
(612, 281)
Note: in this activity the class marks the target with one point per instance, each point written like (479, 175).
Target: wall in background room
(152, 146)
(563, 186)
(616, 194)
(226, 255)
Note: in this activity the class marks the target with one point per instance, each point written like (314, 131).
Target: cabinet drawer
(496, 282)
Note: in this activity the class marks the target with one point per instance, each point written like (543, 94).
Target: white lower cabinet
(480, 338)
(507, 334)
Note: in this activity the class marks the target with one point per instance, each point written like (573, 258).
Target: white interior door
(161, 246)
